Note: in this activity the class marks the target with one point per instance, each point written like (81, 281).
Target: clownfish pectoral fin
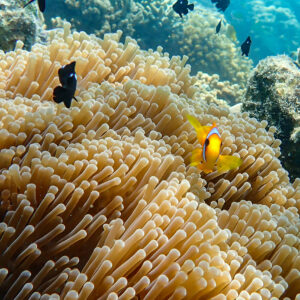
(196, 158)
(228, 162)
(197, 161)
(202, 131)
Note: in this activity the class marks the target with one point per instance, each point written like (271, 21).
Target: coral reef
(220, 92)
(99, 200)
(95, 16)
(17, 23)
(142, 20)
(211, 53)
(154, 24)
(273, 94)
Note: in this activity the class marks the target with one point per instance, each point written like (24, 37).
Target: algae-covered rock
(273, 94)
(17, 23)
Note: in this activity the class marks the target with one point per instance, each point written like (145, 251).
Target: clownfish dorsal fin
(214, 125)
(207, 129)
(202, 131)
(196, 158)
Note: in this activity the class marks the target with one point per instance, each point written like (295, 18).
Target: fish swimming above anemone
(221, 5)
(68, 80)
(218, 27)
(41, 3)
(182, 7)
(208, 157)
(245, 47)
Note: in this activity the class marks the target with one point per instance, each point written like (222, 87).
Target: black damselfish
(219, 26)
(246, 46)
(68, 80)
(41, 3)
(182, 7)
(221, 5)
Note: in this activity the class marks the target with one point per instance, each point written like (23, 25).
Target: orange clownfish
(206, 158)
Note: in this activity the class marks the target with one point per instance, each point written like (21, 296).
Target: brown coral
(99, 200)
(213, 90)
(211, 53)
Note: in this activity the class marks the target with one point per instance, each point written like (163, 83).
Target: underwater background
(274, 26)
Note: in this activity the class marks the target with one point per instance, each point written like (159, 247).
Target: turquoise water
(274, 26)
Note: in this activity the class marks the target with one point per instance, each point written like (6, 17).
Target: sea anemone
(99, 200)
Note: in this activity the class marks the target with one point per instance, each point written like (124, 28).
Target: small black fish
(41, 3)
(68, 80)
(297, 64)
(246, 46)
(221, 4)
(182, 7)
(219, 26)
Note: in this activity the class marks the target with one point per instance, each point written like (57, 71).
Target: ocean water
(274, 26)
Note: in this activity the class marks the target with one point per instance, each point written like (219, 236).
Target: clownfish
(206, 158)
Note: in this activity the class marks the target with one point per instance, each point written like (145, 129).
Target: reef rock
(273, 94)
(221, 92)
(17, 23)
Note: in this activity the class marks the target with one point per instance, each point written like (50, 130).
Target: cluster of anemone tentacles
(99, 201)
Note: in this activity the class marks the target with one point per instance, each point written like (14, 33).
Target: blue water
(274, 26)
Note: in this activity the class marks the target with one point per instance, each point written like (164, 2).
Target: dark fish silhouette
(246, 46)
(219, 26)
(41, 3)
(182, 7)
(68, 80)
(297, 64)
(221, 5)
